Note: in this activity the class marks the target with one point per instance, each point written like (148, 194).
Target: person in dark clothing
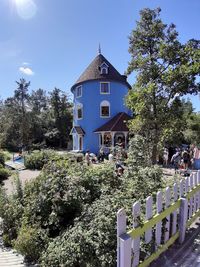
(176, 158)
(186, 159)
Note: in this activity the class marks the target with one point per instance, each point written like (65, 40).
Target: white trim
(104, 66)
(79, 106)
(104, 63)
(78, 96)
(103, 93)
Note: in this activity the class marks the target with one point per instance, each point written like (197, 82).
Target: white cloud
(25, 63)
(26, 70)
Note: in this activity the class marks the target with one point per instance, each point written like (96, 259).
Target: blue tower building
(99, 114)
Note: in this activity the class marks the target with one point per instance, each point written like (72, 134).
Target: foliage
(192, 131)
(37, 159)
(11, 211)
(29, 119)
(166, 70)
(67, 215)
(30, 241)
(2, 158)
(4, 173)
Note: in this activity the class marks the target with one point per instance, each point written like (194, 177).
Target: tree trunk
(154, 153)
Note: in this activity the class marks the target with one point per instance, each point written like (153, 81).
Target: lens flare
(26, 9)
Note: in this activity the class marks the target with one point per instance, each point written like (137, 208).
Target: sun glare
(26, 9)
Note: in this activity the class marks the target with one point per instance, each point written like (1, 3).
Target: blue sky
(51, 42)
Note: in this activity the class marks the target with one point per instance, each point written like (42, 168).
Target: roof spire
(99, 50)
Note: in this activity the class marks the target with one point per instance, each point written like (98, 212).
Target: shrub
(7, 155)
(11, 215)
(11, 211)
(37, 159)
(69, 211)
(30, 242)
(92, 240)
(2, 158)
(4, 173)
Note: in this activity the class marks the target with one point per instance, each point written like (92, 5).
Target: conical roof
(93, 72)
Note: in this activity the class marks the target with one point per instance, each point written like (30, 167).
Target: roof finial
(99, 49)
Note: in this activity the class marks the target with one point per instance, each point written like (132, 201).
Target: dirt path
(24, 176)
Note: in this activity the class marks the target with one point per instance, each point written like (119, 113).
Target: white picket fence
(175, 211)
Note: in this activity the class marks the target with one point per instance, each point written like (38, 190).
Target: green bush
(7, 155)
(37, 159)
(30, 242)
(11, 210)
(4, 173)
(2, 158)
(67, 215)
(92, 240)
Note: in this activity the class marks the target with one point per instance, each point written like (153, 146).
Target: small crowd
(116, 156)
(182, 158)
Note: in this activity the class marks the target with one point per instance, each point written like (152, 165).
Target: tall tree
(22, 96)
(166, 70)
(39, 110)
(62, 112)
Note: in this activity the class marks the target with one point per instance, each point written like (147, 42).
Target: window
(105, 88)
(105, 109)
(104, 68)
(79, 91)
(79, 111)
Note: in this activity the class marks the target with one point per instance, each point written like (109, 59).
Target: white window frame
(104, 66)
(103, 93)
(104, 103)
(80, 86)
(79, 106)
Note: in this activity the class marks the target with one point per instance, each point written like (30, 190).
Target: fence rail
(176, 209)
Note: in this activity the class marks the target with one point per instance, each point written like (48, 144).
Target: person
(106, 151)
(101, 155)
(176, 160)
(165, 157)
(93, 158)
(186, 158)
(110, 157)
(87, 157)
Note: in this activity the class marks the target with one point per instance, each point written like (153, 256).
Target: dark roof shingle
(92, 72)
(117, 124)
(78, 129)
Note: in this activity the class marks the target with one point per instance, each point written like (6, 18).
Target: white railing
(175, 211)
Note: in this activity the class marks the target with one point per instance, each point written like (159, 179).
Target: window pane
(104, 88)
(80, 113)
(78, 91)
(105, 111)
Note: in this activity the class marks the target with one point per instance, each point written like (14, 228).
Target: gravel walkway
(24, 176)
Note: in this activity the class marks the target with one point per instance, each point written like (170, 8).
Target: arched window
(104, 68)
(105, 109)
(79, 111)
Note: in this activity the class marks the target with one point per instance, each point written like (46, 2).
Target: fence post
(125, 250)
(183, 219)
(123, 241)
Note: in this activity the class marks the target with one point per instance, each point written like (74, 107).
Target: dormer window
(104, 68)
(78, 91)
